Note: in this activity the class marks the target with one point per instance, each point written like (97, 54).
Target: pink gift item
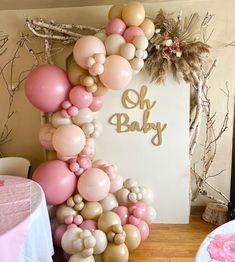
(222, 248)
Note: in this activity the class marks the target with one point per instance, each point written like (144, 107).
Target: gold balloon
(51, 155)
(101, 90)
(116, 253)
(92, 210)
(148, 27)
(115, 11)
(107, 220)
(63, 211)
(74, 73)
(133, 14)
(133, 237)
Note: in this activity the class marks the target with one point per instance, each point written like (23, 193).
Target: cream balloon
(113, 44)
(148, 195)
(68, 238)
(101, 241)
(84, 115)
(58, 120)
(133, 237)
(133, 14)
(107, 220)
(137, 64)
(116, 253)
(115, 11)
(122, 195)
(88, 128)
(63, 211)
(148, 27)
(109, 202)
(140, 42)
(92, 210)
(74, 73)
(127, 51)
(79, 258)
(151, 215)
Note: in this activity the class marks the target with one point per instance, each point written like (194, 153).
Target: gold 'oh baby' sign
(133, 99)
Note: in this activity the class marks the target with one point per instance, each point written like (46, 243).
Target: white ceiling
(37, 4)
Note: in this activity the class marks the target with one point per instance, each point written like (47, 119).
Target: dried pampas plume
(176, 47)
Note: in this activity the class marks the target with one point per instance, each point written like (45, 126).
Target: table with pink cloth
(25, 232)
(219, 245)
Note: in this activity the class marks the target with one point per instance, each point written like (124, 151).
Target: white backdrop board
(159, 158)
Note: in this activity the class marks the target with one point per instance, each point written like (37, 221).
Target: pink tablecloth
(15, 209)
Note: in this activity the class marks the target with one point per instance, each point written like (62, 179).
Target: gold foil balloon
(107, 220)
(115, 11)
(74, 73)
(148, 27)
(133, 237)
(116, 253)
(92, 210)
(63, 211)
(133, 14)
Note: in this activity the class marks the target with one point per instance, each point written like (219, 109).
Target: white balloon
(122, 195)
(109, 202)
(78, 258)
(67, 240)
(147, 195)
(84, 115)
(113, 44)
(127, 51)
(98, 125)
(101, 241)
(58, 120)
(137, 63)
(88, 128)
(130, 182)
(140, 42)
(151, 215)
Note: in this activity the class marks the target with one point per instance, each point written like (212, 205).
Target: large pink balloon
(117, 72)
(93, 184)
(86, 47)
(46, 87)
(80, 97)
(68, 140)
(56, 180)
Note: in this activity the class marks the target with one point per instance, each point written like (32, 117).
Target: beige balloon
(92, 210)
(148, 27)
(74, 73)
(113, 44)
(128, 51)
(62, 211)
(115, 11)
(116, 253)
(101, 90)
(107, 220)
(133, 237)
(133, 14)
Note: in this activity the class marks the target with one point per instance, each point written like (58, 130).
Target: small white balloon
(137, 64)
(88, 128)
(101, 35)
(79, 258)
(98, 125)
(139, 53)
(145, 54)
(84, 115)
(151, 215)
(101, 241)
(68, 238)
(127, 51)
(113, 44)
(109, 202)
(130, 182)
(147, 195)
(58, 120)
(140, 42)
(122, 195)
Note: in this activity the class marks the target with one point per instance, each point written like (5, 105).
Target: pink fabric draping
(15, 209)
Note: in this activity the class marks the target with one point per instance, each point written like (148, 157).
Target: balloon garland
(97, 214)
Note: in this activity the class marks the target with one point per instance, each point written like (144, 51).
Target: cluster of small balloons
(97, 214)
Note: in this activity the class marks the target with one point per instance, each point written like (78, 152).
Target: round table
(25, 232)
(202, 253)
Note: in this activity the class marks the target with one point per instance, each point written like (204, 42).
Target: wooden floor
(170, 243)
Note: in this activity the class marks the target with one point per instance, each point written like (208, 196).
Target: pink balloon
(86, 47)
(58, 233)
(66, 256)
(144, 230)
(117, 72)
(116, 184)
(115, 26)
(45, 136)
(96, 104)
(46, 87)
(131, 32)
(84, 162)
(88, 224)
(138, 209)
(123, 213)
(93, 184)
(80, 97)
(68, 140)
(56, 180)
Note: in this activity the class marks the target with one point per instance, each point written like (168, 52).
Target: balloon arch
(97, 213)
